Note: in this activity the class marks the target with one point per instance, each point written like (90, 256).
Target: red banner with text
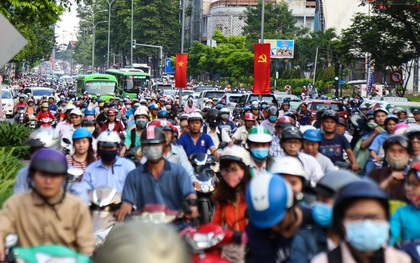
(181, 71)
(261, 68)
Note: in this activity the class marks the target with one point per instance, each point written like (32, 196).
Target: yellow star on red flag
(180, 64)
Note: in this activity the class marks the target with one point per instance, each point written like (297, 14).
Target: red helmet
(128, 102)
(285, 121)
(249, 117)
(111, 112)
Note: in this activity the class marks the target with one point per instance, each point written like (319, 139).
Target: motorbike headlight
(207, 188)
(98, 241)
(155, 217)
(204, 241)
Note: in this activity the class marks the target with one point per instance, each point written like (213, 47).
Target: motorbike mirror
(11, 240)
(66, 140)
(75, 172)
(223, 145)
(238, 142)
(210, 159)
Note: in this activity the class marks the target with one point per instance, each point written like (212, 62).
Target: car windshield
(42, 92)
(100, 87)
(234, 99)
(320, 106)
(6, 94)
(214, 94)
(268, 98)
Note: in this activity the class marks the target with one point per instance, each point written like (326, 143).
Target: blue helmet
(153, 106)
(312, 135)
(246, 108)
(81, 133)
(268, 198)
(90, 111)
(163, 114)
(220, 106)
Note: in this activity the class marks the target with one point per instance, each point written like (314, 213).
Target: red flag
(181, 71)
(261, 68)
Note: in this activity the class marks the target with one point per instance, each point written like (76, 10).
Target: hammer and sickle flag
(181, 71)
(261, 68)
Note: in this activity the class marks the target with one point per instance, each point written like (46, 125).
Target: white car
(38, 92)
(7, 102)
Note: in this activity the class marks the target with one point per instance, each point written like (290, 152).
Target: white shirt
(325, 163)
(215, 137)
(258, 171)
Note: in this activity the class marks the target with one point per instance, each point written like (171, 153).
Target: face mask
(91, 129)
(260, 153)
(272, 118)
(264, 106)
(107, 156)
(152, 153)
(141, 124)
(367, 235)
(322, 214)
(224, 116)
(234, 180)
(213, 124)
(128, 106)
(397, 163)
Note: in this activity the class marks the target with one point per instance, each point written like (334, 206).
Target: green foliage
(326, 74)
(9, 167)
(12, 136)
(290, 73)
(298, 83)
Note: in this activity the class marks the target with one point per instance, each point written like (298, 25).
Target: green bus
(97, 84)
(130, 81)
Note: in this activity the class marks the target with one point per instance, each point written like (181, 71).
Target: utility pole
(109, 30)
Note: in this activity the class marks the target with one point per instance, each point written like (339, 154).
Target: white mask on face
(153, 153)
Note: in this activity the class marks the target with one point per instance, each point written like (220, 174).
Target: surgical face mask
(264, 106)
(141, 124)
(367, 235)
(128, 106)
(107, 156)
(272, 118)
(396, 163)
(233, 179)
(153, 153)
(224, 116)
(90, 128)
(322, 214)
(260, 153)
(213, 124)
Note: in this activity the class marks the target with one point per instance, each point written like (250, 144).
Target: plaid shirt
(275, 148)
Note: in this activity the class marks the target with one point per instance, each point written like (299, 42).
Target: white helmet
(70, 107)
(224, 110)
(140, 112)
(289, 165)
(236, 153)
(108, 139)
(195, 116)
(45, 137)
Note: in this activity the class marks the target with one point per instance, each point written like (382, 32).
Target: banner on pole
(281, 48)
(261, 68)
(181, 71)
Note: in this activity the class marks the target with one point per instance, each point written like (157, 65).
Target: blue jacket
(308, 242)
(404, 224)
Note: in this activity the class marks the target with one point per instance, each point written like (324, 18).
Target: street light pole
(160, 54)
(109, 30)
(316, 62)
(262, 21)
(131, 43)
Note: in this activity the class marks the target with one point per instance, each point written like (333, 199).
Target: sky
(68, 25)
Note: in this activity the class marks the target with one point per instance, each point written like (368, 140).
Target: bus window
(97, 87)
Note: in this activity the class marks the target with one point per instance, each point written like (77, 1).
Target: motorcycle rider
(259, 140)
(270, 121)
(158, 181)
(255, 109)
(413, 134)
(141, 117)
(66, 123)
(213, 129)
(281, 123)
(56, 217)
(112, 123)
(45, 113)
(83, 151)
(224, 119)
(76, 118)
(21, 103)
(241, 133)
(189, 107)
(311, 141)
(416, 115)
(51, 104)
(111, 170)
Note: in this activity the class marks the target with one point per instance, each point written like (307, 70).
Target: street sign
(10, 45)
(341, 82)
(396, 76)
(168, 66)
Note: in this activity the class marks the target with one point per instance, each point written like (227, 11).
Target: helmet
(370, 112)
(153, 106)
(112, 112)
(163, 114)
(333, 181)
(284, 122)
(213, 114)
(402, 110)
(249, 117)
(363, 107)
(224, 110)
(291, 133)
(254, 106)
(312, 135)
(236, 153)
(81, 133)
(398, 139)
(76, 112)
(291, 114)
(108, 139)
(400, 128)
(412, 130)
(415, 110)
(135, 242)
(289, 165)
(84, 105)
(44, 105)
(49, 160)
(153, 134)
(259, 134)
(45, 137)
(195, 116)
(141, 112)
(90, 111)
(272, 111)
(268, 198)
(391, 117)
(220, 106)
(362, 188)
(380, 109)
(246, 108)
(342, 121)
(330, 114)
(164, 124)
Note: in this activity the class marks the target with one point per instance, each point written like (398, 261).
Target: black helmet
(333, 181)
(272, 111)
(291, 133)
(363, 188)
(213, 114)
(415, 110)
(291, 114)
(391, 117)
(330, 114)
(153, 134)
(398, 139)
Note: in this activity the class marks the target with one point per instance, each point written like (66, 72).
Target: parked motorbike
(206, 242)
(206, 177)
(105, 201)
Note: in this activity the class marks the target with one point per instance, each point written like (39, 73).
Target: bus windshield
(135, 83)
(100, 87)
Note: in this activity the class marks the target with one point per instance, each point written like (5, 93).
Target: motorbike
(32, 121)
(21, 111)
(105, 201)
(48, 253)
(156, 214)
(206, 177)
(206, 242)
(46, 122)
